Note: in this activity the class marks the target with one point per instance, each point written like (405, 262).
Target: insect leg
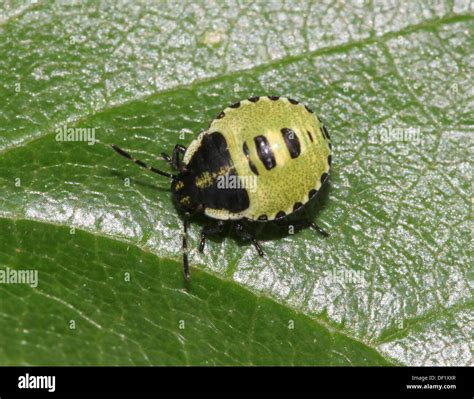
(185, 247)
(241, 232)
(324, 233)
(175, 161)
(208, 230)
(166, 157)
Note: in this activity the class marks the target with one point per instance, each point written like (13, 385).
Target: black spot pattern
(312, 193)
(263, 218)
(329, 160)
(325, 132)
(310, 135)
(221, 115)
(264, 152)
(308, 109)
(280, 215)
(252, 166)
(235, 105)
(324, 176)
(254, 99)
(294, 102)
(297, 206)
(292, 142)
(273, 98)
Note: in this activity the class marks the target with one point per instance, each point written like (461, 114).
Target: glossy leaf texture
(391, 285)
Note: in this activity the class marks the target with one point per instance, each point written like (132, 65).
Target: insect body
(275, 145)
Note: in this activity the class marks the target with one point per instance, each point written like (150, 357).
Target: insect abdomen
(282, 145)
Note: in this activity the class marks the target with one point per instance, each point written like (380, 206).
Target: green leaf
(128, 307)
(393, 283)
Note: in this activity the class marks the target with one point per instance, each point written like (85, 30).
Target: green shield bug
(276, 145)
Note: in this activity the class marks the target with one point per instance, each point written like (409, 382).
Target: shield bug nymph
(277, 141)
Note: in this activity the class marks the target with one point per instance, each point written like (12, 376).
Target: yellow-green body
(292, 179)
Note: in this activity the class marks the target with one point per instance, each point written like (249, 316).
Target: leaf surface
(392, 285)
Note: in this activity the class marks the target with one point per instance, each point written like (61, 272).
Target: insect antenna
(141, 163)
(185, 246)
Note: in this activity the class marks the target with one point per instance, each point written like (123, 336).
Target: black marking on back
(274, 98)
(292, 142)
(297, 206)
(312, 193)
(325, 132)
(310, 135)
(308, 109)
(264, 152)
(263, 218)
(329, 160)
(221, 115)
(252, 166)
(294, 102)
(235, 105)
(280, 215)
(324, 176)
(212, 156)
(254, 99)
